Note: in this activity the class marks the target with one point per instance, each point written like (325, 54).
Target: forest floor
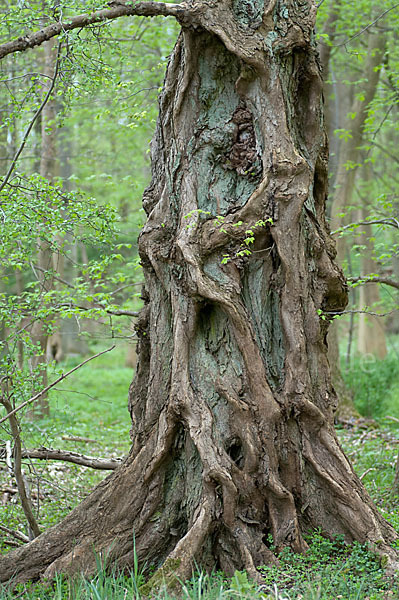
(94, 421)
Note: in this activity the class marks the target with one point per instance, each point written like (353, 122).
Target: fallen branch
(140, 9)
(46, 389)
(76, 438)
(11, 543)
(9, 490)
(72, 457)
(366, 473)
(18, 535)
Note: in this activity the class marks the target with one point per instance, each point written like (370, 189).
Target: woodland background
(83, 111)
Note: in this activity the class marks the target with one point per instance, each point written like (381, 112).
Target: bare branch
(46, 389)
(11, 543)
(76, 438)
(392, 419)
(380, 16)
(386, 151)
(106, 464)
(53, 276)
(18, 535)
(109, 311)
(122, 313)
(359, 312)
(366, 473)
(390, 221)
(141, 9)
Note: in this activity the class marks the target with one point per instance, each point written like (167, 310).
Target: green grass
(375, 385)
(329, 570)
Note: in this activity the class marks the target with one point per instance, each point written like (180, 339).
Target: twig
(366, 473)
(122, 313)
(355, 312)
(109, 311)
(392, 222)
(387, 152)
(367, 279)
(366, 28)
(106, 464)
(393, 419)
(52, 275)
(8, 456)
(25, 501)
(31, 124)
(46, 389)
(11, 543)
(73, 438)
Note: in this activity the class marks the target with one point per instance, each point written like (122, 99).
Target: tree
(232, 405)
(357, 90)
(46, 261)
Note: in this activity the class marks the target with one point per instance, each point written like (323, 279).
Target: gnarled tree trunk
(232, 403)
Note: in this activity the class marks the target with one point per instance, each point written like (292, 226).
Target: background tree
(354, 54)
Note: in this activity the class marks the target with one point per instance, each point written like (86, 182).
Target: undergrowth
(329, 570)
(88, 415)
(98, 416)
(375, 385)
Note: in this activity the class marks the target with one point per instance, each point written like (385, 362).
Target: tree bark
(233, 437)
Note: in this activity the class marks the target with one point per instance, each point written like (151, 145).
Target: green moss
(165, 576)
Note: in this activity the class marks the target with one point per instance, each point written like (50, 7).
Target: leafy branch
(116, 10)
(51, 385)
(374, 279)
(33, 121)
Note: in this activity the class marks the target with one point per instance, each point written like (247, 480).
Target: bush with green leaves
(375, 385)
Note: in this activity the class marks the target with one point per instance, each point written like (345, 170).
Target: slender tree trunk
(333, 110)
(344, 186)
(333, 101)
(371, 332)
(233, 437)
(351, 151)
(45, 259)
